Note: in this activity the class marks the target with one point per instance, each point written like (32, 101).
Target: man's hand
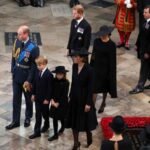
(87, 108)
(27, 86)
(146, 56)
(56, 105)
(33, 98)
(46, 102)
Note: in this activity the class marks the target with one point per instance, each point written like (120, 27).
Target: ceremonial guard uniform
(23, 68)
(125, 20)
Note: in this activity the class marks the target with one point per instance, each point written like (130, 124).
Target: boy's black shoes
(54, 137)
(34, 135)
(61, 131)
(12, 125)
(27, 123)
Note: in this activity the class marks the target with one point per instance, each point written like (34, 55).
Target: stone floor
(53, 23)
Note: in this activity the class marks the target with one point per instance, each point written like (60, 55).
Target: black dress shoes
(12, 126)
(136, 91)
(61, 131)
(54, 137)
(27, 123)
(34, 135)
(101, 109)
(22, 4)
(44, 129)
(72, 4)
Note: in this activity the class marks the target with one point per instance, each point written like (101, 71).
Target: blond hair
(79, 8)
(41, 60)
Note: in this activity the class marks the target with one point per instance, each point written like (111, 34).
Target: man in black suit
(42, 94)
(141, 4)
(143, 44)
(80, 31)
(23, 68)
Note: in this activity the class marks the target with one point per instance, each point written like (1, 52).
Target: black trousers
(42, 110)
(17, 100)
(55, 125)
(144, 73)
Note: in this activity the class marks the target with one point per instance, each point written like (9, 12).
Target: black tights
(55, 124)
(76, 136)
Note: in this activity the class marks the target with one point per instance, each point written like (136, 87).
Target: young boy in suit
(42, 92)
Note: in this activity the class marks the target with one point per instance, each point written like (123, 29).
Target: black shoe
(54, 137)
(44, 129)
(22, 4)
(34, 135)
(27, 123)
(12, 126)
(136, 91)
(127, 47)
(76, 146)
(101, 109)
(147, 87)
(61, 131)
(77, 3)
(71, 4)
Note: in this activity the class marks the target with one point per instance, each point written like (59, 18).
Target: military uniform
(23, 68)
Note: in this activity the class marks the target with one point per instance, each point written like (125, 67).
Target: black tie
(40, 73)
(147, 25)
(76, 24)
(22, 44)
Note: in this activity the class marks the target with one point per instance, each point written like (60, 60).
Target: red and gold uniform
(125, 19)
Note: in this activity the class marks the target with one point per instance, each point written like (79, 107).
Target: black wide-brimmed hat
(145, 134)
(104, 30)
(60, 69)
(79, 52)
(118, 125)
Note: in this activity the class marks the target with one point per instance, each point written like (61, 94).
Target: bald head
(23, 32)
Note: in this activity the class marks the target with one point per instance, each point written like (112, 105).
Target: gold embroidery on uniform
(15, 53)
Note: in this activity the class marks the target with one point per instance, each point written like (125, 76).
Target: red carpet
(132, 122)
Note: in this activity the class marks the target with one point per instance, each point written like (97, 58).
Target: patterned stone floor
(53, 23)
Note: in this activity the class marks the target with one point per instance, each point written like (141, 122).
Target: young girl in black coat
(59, 100)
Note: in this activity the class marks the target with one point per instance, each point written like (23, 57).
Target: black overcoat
(60, 95)
(42, 86)
(80, 95)
(103, 61)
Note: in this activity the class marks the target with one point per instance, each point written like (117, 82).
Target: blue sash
(23, 52)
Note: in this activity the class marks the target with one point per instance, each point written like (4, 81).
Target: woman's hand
(33, 98)
(87, 108)
(46, 102)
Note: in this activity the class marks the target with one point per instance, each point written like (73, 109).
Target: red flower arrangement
(131, 122)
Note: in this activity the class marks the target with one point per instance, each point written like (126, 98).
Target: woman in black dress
(81, 115)
(59, 100)
(117, 142)
(103, 61)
